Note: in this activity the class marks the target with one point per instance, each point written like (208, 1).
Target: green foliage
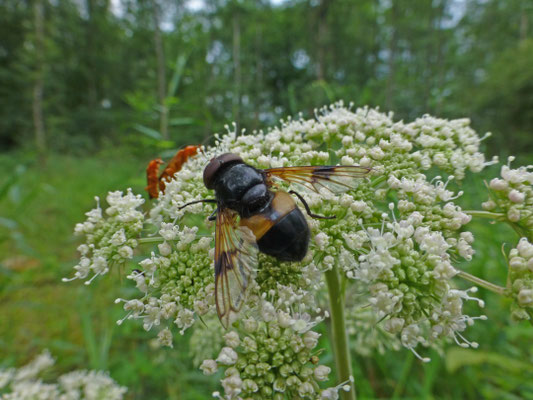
(253, 62)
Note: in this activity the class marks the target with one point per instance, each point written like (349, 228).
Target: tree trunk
(92, 54)
(523, 24)
(236, 67)
(440, 63)
(258, 81)
(322, 38)
(38, 85)
(391, 63)
(161, 78)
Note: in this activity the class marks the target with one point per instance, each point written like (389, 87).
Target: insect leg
(213, 215)
(197, 201)
(308, 209)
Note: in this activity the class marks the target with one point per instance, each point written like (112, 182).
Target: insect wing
(235, 259)
(333, 178)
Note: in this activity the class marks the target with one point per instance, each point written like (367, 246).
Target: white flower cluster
(512, 196)
(403, 252)
(25, 383)
(271, 357)
(521, 279)
(109, 240)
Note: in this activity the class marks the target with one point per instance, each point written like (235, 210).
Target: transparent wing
(333, 178)
(235, 259)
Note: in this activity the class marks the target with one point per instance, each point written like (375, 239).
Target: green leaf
(458, 357)
(147, 131)
(182, 121)
(176, 76)
(12, 180)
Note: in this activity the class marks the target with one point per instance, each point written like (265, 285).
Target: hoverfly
(249, 201)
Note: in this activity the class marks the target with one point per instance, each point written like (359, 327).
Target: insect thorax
(241, 188)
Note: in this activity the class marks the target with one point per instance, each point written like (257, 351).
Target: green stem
(339, 337)
(483, 283)
(486, 214)
(154, 239)
(378, 181)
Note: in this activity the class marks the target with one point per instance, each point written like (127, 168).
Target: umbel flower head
(271, 356)
(396, 235)
(511, 198)
(25, 383)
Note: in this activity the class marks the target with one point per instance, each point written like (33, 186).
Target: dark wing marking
(333, 178)
(235, 259)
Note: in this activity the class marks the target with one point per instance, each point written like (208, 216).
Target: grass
(39, 206)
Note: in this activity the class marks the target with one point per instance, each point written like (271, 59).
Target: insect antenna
(196, 202)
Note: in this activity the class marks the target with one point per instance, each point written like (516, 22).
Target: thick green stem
(339, 339)
(483, 283)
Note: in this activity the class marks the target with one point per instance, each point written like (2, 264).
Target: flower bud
(516, 197)
(310, 339)
(525, 248)
(232, 339)
(498, 184)
(513, 214)
(517, 263)
(227, 356)
(293, 381)
(250, 325)
(209, 367)
(525, 297)
(249, 385)
(306, 389)
(279, 385)
(321, 373)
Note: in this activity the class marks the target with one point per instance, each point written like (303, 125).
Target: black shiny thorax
(242, 188)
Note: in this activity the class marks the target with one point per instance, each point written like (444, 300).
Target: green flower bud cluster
(206, 340)
(270, 359)
(521, 279)
(287, 284)
(25, 383)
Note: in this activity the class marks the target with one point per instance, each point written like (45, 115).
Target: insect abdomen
(288, 239)
(281, 229)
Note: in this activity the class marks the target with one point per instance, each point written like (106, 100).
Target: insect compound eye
(215, 166)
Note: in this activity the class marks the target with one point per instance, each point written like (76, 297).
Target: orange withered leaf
(157, 183)
(152, 179)
(176, 164)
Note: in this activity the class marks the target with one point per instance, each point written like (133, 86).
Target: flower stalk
(483, 283)
(486, 214)
(339, 338)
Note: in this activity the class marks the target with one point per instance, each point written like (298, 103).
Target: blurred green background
(91, 90)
